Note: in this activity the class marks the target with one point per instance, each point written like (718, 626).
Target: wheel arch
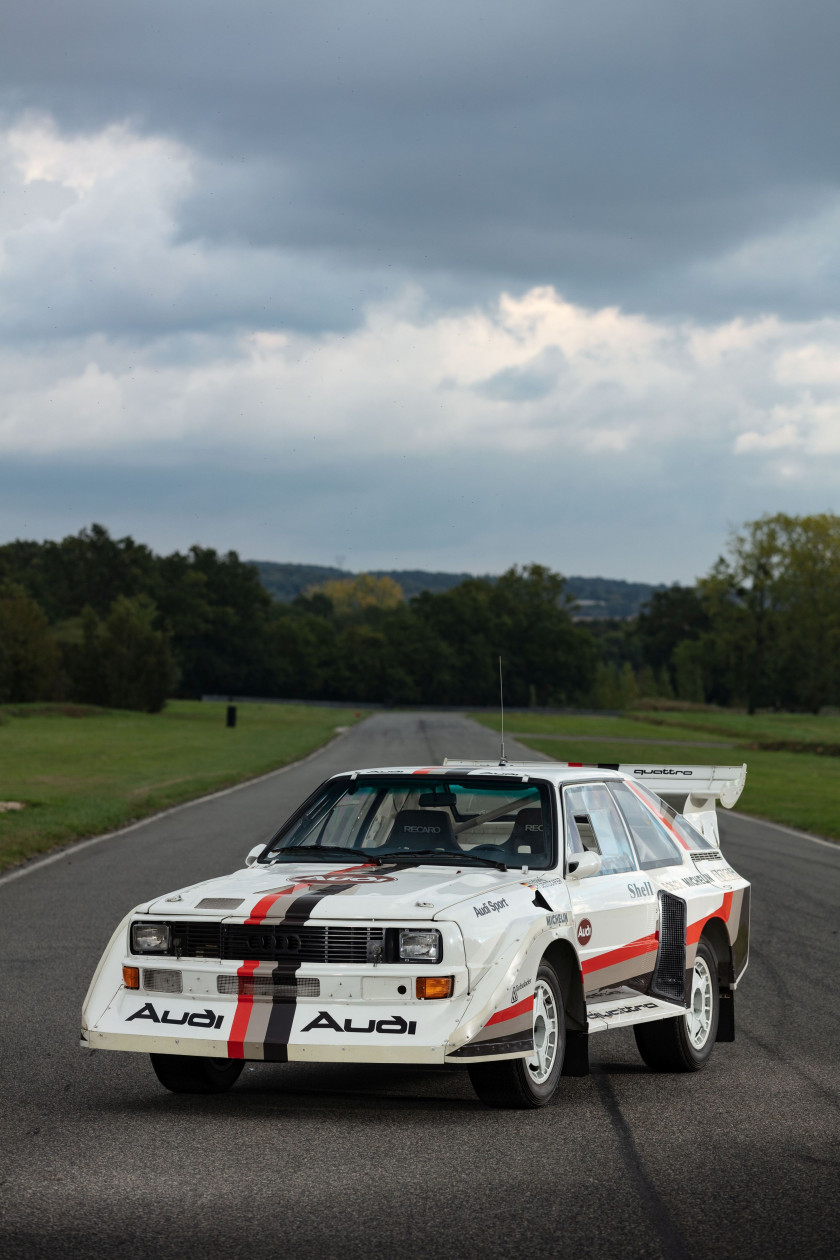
(562, 956)
(716, 936)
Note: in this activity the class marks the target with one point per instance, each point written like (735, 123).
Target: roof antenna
(502, 760)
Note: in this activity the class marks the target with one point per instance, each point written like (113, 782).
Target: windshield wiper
(306, 853)
(457, 858)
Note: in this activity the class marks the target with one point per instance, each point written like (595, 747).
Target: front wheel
(189, 1074)
(531, 1082)
(685, 1043)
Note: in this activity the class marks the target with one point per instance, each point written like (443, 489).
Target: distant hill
(597, 598)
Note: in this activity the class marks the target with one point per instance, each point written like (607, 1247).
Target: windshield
(442, 821)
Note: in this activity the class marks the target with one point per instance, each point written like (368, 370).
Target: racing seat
(421, 829)
(528, 835)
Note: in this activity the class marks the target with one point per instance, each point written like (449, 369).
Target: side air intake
(669, 973)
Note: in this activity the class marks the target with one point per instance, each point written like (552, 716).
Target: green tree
(28, 654)
(124, 661)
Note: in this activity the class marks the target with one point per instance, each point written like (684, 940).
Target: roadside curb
(75, 846)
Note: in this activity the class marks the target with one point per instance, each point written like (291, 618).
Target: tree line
(102, 620)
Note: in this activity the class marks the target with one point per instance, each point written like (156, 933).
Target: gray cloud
(616, 150)
(251, 266)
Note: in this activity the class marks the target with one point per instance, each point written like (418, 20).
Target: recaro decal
(395, 1024)
(195, 1019)
(584, 932)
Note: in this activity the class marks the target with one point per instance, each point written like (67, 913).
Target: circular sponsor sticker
(337, 878)
(584, 932)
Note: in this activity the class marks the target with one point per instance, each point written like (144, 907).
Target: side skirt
(622, 1010)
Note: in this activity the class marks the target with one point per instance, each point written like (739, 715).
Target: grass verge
(796, 789)
(79, 771)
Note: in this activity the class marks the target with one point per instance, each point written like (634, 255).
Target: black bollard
(231, 715)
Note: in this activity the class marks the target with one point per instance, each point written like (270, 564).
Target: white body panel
(496, 927)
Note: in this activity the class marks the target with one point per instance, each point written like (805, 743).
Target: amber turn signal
(131, 977)
(435, 986)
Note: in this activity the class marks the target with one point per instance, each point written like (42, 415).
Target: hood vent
(220, 903)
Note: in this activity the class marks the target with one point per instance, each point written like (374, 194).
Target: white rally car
(481, 915)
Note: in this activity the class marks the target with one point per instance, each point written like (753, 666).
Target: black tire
(666, 1044)
(189, 1074)
(510, 1082)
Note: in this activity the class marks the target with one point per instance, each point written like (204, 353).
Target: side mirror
(254, 854)
(583, 864)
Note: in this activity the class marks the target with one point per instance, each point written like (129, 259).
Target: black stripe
(279, 1029)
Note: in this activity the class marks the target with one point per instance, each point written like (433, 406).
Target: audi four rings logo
(584, 932)
(268, 941)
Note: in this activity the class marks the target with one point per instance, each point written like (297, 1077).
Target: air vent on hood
(220, 903)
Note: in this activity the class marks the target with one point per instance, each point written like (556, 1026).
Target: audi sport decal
(584, 932)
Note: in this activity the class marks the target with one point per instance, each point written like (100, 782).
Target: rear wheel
(189, 1074)
(530, 1082)
(684, 1044)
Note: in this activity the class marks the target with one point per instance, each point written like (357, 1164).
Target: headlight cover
(150, 938)
(420, 945)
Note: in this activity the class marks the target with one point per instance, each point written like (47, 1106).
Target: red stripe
(511, 1012)
(644, 945)
(241, 1016)
(575, 765)
(666, 822)
(695, 930)
(428, 771)
(262, 908)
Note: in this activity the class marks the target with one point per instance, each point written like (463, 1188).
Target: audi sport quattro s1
(486, 916)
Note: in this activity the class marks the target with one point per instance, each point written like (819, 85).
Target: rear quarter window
(653, 844)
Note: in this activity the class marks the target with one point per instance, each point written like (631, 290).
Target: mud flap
(726, 1016)
(576, 1058)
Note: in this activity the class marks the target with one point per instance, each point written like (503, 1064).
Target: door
(615, 910)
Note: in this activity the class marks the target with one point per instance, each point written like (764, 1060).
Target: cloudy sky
(446, 285)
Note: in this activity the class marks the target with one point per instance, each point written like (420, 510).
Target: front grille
(669, 973)
(239, 942)
(267, 986)
(159, 981)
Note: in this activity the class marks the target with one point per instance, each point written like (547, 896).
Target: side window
(653, 844)
(593, 822)
(684, 829)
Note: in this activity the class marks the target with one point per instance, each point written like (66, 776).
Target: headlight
(150, 938)
(419, 946)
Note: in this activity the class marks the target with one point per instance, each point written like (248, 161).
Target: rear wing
(703, 783)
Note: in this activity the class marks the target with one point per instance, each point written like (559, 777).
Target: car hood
(342, 892)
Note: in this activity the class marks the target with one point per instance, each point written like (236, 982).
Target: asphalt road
(306, 1160)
